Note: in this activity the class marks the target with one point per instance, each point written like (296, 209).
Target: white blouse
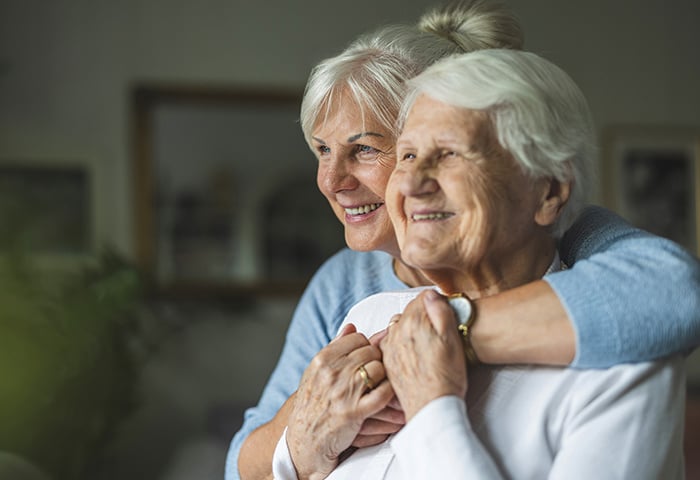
(527, 422)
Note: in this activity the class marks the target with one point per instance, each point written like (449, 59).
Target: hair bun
(475, 25)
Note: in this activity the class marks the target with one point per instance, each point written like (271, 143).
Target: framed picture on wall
(48, 211)
(226, 201)
(651, 176)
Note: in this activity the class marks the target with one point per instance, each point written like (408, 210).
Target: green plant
(67, 372)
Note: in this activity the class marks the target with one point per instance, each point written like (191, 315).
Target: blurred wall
(66, 66)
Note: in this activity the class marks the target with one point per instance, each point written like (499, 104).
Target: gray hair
(375, 67)
(538, 113)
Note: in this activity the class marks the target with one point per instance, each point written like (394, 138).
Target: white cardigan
(528, 422)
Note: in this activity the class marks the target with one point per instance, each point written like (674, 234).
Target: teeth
(363, 209)
(416, 217)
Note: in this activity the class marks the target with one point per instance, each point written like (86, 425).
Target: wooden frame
(651, 176)
(49, 208)
(225, 201)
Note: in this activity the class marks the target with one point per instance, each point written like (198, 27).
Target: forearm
(631, 296)
(255, 459)
(527, 324)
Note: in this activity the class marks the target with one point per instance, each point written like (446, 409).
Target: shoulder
(374, 312)
(362, 273)
(343, 280)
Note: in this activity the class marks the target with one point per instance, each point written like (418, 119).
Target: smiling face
(464, 212)
(355, 159)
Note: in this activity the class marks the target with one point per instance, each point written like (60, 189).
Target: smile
(364, 209)
(417, 217)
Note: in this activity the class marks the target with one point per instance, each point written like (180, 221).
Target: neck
(409, 275)
(494, 275)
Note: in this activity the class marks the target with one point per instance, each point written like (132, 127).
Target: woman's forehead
(353, 115)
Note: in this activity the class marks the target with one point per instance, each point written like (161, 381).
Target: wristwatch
(465, 312)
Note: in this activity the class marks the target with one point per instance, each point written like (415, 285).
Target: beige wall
(66, 65)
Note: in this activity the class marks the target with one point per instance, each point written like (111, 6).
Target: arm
(635, 298)
(440, 443)
(625, 422)
(626, 425)
(630, 296)
(259, 445)
(307, 335)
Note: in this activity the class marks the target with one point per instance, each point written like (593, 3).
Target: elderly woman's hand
(334, 401)
(423, 353)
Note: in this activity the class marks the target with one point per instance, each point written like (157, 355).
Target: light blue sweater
(631, 296)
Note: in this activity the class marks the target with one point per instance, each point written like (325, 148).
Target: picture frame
(48, 206)
(225, 198)
(651, 177)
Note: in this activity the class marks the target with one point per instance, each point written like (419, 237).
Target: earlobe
(555, 194)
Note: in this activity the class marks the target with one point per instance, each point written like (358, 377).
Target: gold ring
(365, 377)
(395, 319)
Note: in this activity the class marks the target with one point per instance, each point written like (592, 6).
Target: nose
(335, 175)
(418, 179)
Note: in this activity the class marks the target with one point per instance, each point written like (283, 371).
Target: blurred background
(159, 216)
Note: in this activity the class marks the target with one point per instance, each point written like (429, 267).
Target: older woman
(601, 314)
(492, 164)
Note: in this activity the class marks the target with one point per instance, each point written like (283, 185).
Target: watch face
(461, 306)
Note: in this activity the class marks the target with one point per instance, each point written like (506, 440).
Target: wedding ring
(365, 377)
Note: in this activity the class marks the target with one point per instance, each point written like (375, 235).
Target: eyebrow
(364, 134)
(355, 137)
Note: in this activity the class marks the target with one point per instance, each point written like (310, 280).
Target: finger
(441, 315)
(346, 330)
(390, 415)
(371, 373)
(362, 441)
(347, 343)
(375, 400)
(377, 427)
(377, 338)
(394, 404)
(364, 355)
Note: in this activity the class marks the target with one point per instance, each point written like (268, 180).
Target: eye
(323, 150)
(448, 154)
(365, 152)
(407, 157)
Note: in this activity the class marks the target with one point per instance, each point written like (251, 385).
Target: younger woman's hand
(333, 402)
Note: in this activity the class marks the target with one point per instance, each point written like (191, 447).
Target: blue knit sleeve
(631, 296)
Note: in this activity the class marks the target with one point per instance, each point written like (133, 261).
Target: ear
(554, 195)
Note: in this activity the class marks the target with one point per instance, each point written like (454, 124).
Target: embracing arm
(252, 446)
(629, 296)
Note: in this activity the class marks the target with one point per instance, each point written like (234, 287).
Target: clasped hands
(357, 390)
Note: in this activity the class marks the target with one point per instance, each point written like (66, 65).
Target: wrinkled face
(355, 159)
(457, 199)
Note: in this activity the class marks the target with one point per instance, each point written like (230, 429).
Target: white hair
(538, 113)
(375, 67)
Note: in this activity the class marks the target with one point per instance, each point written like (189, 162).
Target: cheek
(375, 177)
(479, 202)
(394, 205)
(320, 179)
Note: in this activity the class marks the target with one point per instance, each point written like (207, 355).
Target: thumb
(441, 315)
